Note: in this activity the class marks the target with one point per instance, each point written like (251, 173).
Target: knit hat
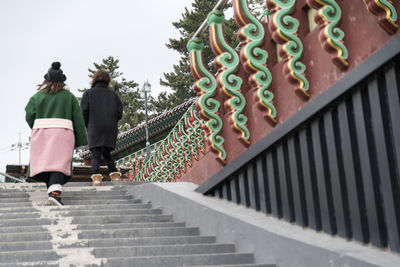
(55, 74)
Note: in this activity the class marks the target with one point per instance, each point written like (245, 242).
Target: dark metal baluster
(324, 188)
(300, 209)
(339, 191)
(310, 179)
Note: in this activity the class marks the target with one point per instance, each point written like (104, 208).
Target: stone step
(33, 264)
(96, 197)
(22, 215)
(127, 206)
(120, 219)
(25, 229)
(98, 201)
(116, 228)
(181, 260)
(24, 237)
(144, 232)
(111, 212)
(19, 246)
(106, 207)
(150, 241)
(39, 228)
(186, 249)
(6, 210)
(93, 192)
(129, 225)
(239, 265)
(27, 256)
(55, 264)
(9, 194)
(16, 205)
(25, 222)
(107, 185)
(84, 200)
(5, 201)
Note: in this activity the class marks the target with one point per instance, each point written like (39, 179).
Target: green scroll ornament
(385, 12)
(227, 61)
(206, 86)
(283, 28)
(191, 136)
(197, 129)
(254, 58)
(184, 142)
(328, 17)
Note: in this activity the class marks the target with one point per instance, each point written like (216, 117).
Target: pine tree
(127, 91)
(180, 80)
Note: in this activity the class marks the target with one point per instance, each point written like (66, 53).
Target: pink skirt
(51, 149)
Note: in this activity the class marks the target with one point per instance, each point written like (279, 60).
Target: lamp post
(143, 92)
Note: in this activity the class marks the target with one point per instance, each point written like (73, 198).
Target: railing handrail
(12, 177)
(204, 25)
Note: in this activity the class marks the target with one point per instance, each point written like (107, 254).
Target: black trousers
(51, 178)
(97, 152)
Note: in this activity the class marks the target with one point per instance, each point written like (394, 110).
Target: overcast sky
(77, 33)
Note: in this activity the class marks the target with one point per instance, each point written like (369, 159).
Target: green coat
(62, 105)
(45, 111)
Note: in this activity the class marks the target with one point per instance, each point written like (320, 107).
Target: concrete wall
(271, 240)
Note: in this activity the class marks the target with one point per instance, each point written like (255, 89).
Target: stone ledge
(270, 239)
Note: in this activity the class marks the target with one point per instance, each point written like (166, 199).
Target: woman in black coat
(102, 109)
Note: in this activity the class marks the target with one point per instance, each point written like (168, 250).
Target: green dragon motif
(191, 136)
(179, 151)
(168, 162)
(385, 12)
(329, 16)
(152, 169)
(228, 61)
(284, 31)
(157, 165)
(197, 129)
(147, 174)
(174, 156)
(163, 173)
(184, 142)
(141, 175)
(206, 86)
(254, 58)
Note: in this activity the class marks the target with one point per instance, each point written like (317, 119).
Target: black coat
(102, 109)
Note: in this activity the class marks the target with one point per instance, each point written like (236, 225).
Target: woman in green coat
(55, 117)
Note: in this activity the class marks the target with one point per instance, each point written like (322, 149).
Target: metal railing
(204, 25)
(4, 178)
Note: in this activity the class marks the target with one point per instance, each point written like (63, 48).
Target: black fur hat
(55, 74)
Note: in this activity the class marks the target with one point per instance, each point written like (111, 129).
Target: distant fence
(333, 166)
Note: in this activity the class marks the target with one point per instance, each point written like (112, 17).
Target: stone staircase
(101, 226)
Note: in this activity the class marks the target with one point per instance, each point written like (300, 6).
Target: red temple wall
(363, 37)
